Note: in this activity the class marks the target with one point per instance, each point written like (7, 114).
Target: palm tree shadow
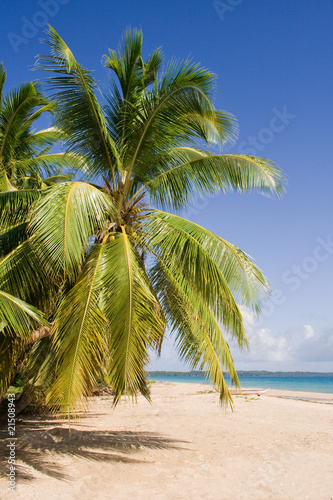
(39, 445)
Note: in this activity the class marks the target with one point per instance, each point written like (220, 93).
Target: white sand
(182, 446)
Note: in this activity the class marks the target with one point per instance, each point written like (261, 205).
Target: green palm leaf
(2, 81)
(25, 153)
(127, 62)
(50, 164)
(174, 246)
(54, 179)
(15, 205)
(200, 340)
(178, 183)
(45, 106)
(24, 271)
(5, 184)
(179, 112)
(135, 319)
(214, 260)
(65, 219)
(79, 113)
(80, 343)
(16, 108)
(12, 237)
(18, 316)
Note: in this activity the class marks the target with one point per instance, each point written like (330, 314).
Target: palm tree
(25, 154)
(131, 268)
(28, 165)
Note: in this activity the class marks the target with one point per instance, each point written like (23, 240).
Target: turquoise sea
(291, 381)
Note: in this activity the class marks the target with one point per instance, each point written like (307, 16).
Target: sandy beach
(182, 446)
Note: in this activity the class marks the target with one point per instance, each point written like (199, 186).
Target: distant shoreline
(253, 373)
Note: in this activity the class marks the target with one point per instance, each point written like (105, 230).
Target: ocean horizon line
(248, 373)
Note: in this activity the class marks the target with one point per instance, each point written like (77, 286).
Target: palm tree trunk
(39, 334)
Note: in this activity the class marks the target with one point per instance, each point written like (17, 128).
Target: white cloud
(318, 348)
(266, 346)
(309, 332)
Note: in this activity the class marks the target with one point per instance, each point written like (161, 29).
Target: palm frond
(79, 114)
(177, 247)
(179, 182)
(200, 340)
(16, 109)
(5, 184)
(47, 107)
(65, 219)
(25, 272)
(50, 164)
(221, 268)
(54, 179)
(178, 112)
(2, 81)
(80, 344)
(135, 320)
(15, 205)
(37, 363)
(127, 62)
(131, 77)
(18, 316)
(44, 139)
(11, 237)
(152, 67)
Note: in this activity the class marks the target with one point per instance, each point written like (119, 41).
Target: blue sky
(273, 61)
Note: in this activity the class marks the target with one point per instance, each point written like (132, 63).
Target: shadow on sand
(38, 441)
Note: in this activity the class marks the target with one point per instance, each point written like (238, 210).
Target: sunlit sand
(182, 446)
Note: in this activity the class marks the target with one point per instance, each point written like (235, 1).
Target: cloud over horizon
(298, 348)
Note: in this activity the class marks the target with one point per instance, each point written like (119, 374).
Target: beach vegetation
(111, 258)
